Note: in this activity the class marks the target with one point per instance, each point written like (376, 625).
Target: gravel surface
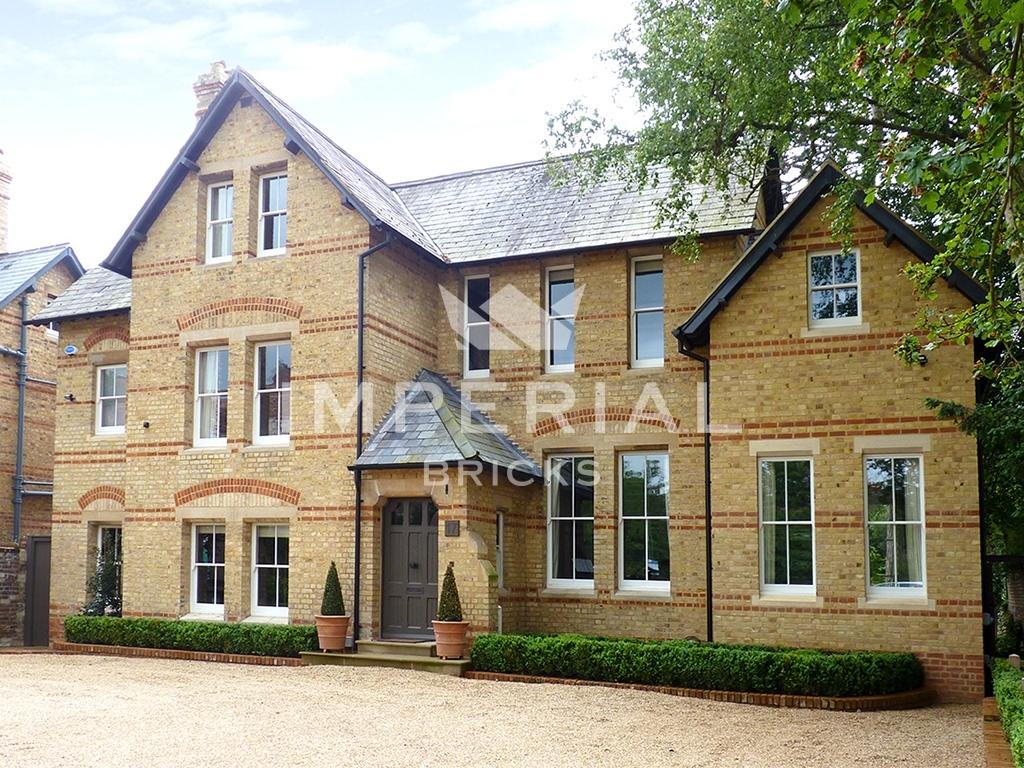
(103, 711)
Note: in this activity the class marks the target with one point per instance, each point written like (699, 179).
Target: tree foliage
(919, 102)
(449, 607)
(333, 604)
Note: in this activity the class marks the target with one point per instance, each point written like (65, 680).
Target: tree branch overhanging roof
(695, 332)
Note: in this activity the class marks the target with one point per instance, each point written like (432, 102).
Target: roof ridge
(472, 172)
(40, 249)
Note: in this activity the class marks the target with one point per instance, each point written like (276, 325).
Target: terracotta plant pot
(332, 631)
(450, 638)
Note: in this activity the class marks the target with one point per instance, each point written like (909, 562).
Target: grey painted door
(410, 569)
(37, 591)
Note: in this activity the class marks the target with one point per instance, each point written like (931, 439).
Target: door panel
(410, 569)
(37, 591)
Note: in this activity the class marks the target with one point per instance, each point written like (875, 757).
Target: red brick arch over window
(101, 492)
(236, 485)
(242, 304)
(118, 332)
(590, 416)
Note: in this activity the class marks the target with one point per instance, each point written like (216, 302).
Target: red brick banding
(118, 332)
(101, 492)
(915, 699)
(237, 485)
(590, 416)
(243, 304)
(60, 646)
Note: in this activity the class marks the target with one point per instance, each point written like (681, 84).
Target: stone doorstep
(397, 647)
(420, 663)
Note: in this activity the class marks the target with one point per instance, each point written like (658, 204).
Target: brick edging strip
(166, 653)
(921, 697)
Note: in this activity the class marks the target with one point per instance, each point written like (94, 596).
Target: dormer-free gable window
(220, 213)
(648, 313)
(561, 320)
(834, 289)
(477, 331)
(273, 214)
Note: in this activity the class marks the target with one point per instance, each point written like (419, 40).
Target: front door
(410, 569)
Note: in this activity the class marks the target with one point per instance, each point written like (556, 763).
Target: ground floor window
(270, 570)
(208, 569)
(571, 521)
(104, 586)
(787, 527)
(644, 561)
(894, 494)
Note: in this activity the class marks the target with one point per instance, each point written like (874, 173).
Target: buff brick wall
(771, 380)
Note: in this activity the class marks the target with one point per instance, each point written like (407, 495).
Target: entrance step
(396, 648)
(419, 662)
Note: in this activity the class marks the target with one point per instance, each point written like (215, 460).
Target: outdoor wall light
(145, 425)
(69, 397)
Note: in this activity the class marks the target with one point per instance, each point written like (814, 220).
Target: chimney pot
(208, 86)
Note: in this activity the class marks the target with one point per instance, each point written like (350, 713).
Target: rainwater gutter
(360, 306)
(19, 456)
(706, 363)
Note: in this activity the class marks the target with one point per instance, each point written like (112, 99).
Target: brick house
(535, 367)
(28, 367)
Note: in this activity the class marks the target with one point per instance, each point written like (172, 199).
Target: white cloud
(418, 38)
(531, 15)
(78, 7)
(153, 42)
(310, 69)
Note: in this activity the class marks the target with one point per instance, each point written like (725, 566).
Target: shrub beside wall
(1006, 686)
(209, 636)
(708, 666)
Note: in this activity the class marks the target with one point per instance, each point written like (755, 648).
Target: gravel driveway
(103, 711)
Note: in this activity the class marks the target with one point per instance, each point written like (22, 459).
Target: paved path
(100, 711)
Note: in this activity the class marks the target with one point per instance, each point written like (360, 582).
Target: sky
(96, 95)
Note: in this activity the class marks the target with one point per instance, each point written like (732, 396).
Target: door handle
(414, 564)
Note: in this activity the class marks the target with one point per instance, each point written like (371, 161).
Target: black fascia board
(695, 332)
(489, 465)
(74, 266)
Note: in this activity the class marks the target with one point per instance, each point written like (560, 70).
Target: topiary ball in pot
(449, 628)
(331, 622)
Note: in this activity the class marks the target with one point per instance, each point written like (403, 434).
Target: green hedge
(215, 637)
(1006, 686)
(709, 666)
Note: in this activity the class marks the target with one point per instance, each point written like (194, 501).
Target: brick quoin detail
(101, 492)
(237, 485)
(589, 416)
(244, 304)
(118, 332)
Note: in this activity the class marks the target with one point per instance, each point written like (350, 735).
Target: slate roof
(19, 269)
(434, 423)
(695, 332)
(98, 292)
(516, 211)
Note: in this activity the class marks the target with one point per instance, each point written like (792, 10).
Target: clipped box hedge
(1006, 687)
(708, 666)
(209, 636)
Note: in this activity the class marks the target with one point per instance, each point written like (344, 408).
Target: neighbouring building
(536, 368)
(28, 369)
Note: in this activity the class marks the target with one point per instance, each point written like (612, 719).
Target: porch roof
(434, 423)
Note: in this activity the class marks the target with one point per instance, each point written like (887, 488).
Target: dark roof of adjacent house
(695, 331)
(520, 210)
(434, 423)
(507, 212)
(98, 292)
(20, 269)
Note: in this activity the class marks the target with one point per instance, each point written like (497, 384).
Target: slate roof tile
(98, 291)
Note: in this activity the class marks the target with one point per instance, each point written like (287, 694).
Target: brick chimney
(208, 86)
(5, 200)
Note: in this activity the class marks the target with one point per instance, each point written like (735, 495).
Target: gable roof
(20, 269)
(695, 332)
(359, 186)
(518, 210)
(98, 292)
(433, 423)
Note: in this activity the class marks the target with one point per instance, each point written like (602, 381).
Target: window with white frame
(894, 497)
(643, 521)
(111, 399)
(499, 547)
(208, 569)
(273, 393)
(273, 214)
(834, 288)
(220, 213)
(211, 407)
(561, 320)
(270, 570)
(571, 521)
(477, 331)
(648, 313)
(787, 526)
